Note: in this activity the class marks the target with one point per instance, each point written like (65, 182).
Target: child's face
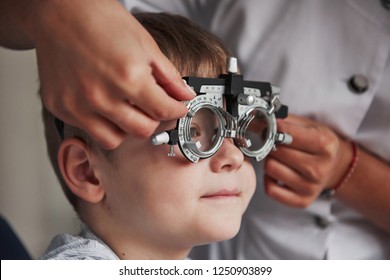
(175, 202)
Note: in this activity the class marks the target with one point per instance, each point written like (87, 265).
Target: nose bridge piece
(230, 128)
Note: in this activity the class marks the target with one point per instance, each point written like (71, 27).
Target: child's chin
(224, 232)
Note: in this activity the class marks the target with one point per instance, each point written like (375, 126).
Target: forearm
(368, 189)
(13, 22)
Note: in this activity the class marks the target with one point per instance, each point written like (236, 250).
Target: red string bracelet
(351, 168)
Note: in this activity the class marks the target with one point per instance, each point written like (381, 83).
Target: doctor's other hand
(317, 159)
(101, 71)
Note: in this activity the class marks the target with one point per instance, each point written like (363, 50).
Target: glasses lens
(257, 131)
(204, 129)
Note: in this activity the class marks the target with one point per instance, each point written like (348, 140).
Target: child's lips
(222, 194)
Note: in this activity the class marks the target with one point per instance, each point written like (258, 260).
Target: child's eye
(194, 132)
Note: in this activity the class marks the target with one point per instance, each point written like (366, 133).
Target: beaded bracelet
(351, 168)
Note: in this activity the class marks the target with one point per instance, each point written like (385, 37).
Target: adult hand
(317, 159)
(101, 71)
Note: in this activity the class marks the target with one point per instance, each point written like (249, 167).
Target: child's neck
(136, 253)
(130, 246)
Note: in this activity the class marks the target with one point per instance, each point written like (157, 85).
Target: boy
(134, 201)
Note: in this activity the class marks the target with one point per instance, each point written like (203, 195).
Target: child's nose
(228, 158)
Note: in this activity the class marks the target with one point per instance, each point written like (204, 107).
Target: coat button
(322, 222)
(386, 4)
(358, 83)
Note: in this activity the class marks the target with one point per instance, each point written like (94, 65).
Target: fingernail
(190, 89)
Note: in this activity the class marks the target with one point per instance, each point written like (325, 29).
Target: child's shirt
(84, 246)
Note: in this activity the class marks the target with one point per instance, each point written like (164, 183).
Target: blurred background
(30, 197)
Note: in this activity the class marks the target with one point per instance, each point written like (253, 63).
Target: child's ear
(75, 162)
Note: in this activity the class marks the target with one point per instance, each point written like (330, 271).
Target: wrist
(347, 173)
(14, 31)
(33, 17)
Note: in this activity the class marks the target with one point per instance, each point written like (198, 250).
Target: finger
(141, 89)
(133, 121)
(163, 71)
(301, 162)
(170, 80)
(73, 108)
(299, 120)
(284, 195)
(283, 173)
(306, 136)
(155, 102)
(126, 116)
(104, 132)
(113, 108)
